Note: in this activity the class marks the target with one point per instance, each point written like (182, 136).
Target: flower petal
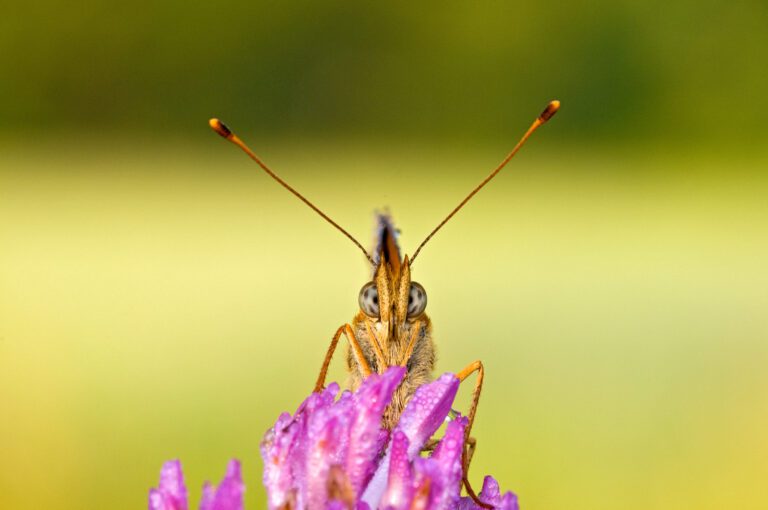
(399, 491)
(491, 495)
(448, 456)
(209, 493)
(427, 410)
(276, 449)
(284, 452)
(229, 494)
(311, 418)
(325, 448)
(365, 438)
(171, 493)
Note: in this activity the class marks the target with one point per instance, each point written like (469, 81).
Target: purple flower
(333, 453)
(492, 496)
(171, 493)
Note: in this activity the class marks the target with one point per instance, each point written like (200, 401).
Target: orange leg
(471, 445)
(430, 445)
(412, 344)
(358, 352)
(470, 442)
(382, 363)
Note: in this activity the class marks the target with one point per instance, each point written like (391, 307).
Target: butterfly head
(391, 298)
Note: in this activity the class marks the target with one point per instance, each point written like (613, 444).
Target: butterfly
(391, 327)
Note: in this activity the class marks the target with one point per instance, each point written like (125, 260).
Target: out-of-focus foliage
(685, 68)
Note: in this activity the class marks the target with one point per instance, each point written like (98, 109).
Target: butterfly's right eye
(369, 300)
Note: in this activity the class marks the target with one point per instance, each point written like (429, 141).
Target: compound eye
(417, 300)
(369, 300)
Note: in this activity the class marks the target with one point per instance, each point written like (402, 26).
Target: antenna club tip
(550, 110)
(220, 128)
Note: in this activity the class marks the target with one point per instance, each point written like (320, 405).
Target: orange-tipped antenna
(547, 114)
(225, 132)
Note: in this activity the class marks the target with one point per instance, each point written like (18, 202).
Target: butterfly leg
(430, 445)
(471, 442)
(471, 445)
(346, 329)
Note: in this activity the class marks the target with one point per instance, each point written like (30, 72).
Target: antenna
(225, 132)
(547, 114)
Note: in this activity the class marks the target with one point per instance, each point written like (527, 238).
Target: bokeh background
(161, 298)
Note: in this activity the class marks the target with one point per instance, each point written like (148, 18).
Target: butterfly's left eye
(417, 300)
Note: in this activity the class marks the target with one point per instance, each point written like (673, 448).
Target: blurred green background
(161, 298)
